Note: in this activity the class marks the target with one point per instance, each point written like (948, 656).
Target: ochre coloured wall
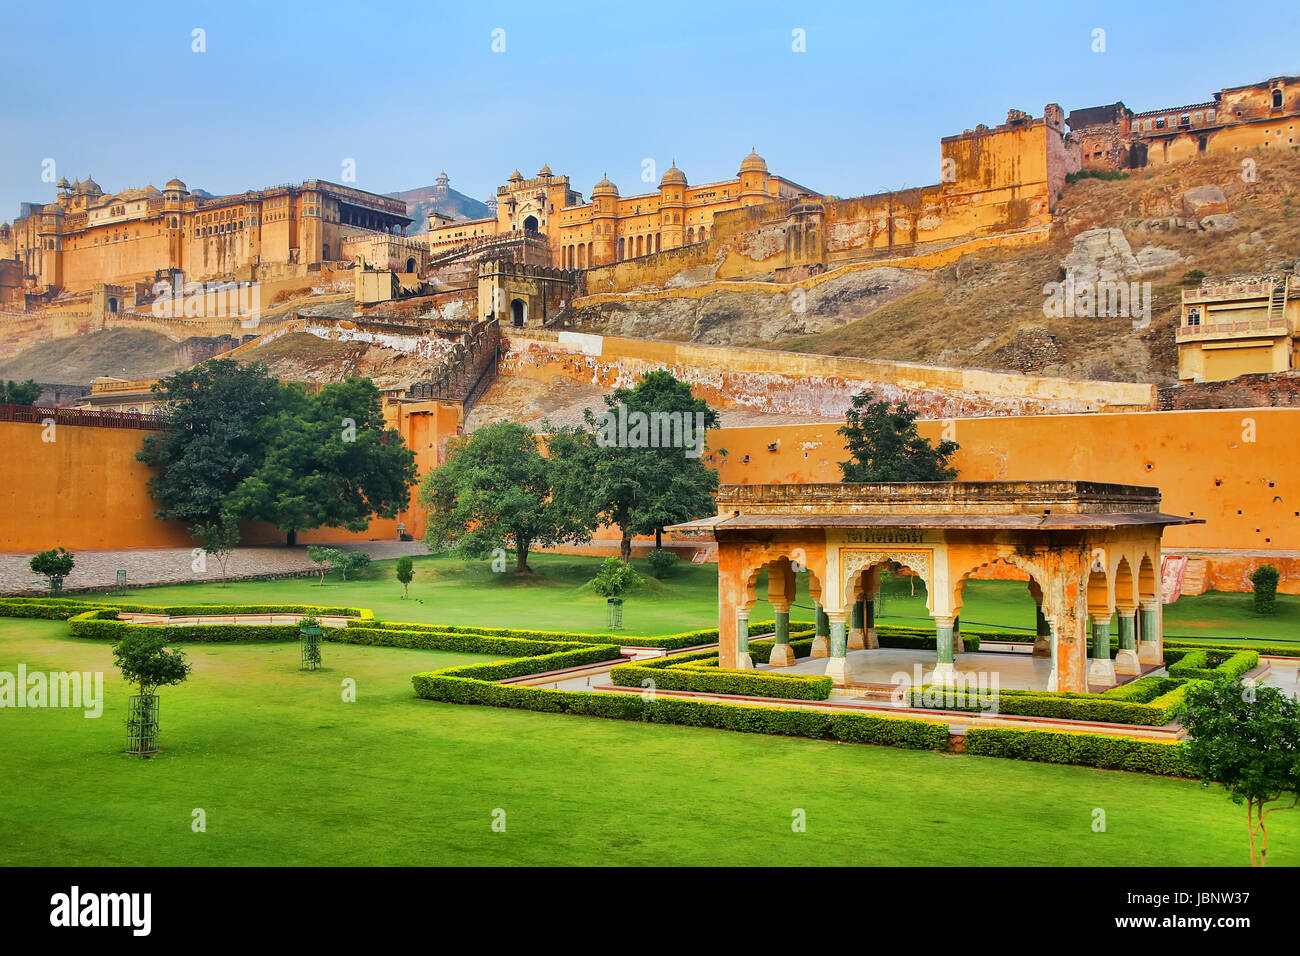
(1235, 468)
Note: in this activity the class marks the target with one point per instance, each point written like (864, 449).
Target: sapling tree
(53, 565)
(1247, 738)
(405, 573)
(614, 579)
(324, 558)
(218, 538)
(145, 661)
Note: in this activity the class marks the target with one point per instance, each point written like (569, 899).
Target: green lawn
(288, 773)
(447, 591)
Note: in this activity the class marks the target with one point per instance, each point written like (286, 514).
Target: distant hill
(438, 198)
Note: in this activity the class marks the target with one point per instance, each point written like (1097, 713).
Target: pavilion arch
(1039, 580)
(1125, 584)
(854, 564)
(1148, 584)
(760, 559)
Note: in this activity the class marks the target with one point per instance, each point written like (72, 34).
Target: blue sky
(286, 93)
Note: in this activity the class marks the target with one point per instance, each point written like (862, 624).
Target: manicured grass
(287, 773)
(447, 591)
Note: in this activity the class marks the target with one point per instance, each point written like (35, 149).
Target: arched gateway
(1080, 543)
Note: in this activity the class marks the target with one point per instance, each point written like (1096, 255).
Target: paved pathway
(98, 569)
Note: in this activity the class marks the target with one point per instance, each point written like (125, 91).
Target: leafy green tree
(884, 445)
(214, 437)
(324, 558)
(638, 488)
(405, 573)
(145, 660)
(352, 562)
(1265, 578)
(497, 490)
(329, 462)
(20, 393)
(1247, 738)
(53, 565)
(614, 579)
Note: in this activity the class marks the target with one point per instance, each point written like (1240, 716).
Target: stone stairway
(1194, 576)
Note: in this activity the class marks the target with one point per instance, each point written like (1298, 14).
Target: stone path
(98, 569)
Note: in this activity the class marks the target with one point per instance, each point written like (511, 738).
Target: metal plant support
(310, 648)
(142, 725)
(615, 614)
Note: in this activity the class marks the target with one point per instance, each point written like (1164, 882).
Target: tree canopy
(497, 490)
(237, 444)
(884, 445)
(638, 463)
(20, 393)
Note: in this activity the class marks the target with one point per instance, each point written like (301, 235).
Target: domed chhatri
(753, 163)
(516, 176)
(673, 177)
(175, 185)
(544, 171)
(604, 188)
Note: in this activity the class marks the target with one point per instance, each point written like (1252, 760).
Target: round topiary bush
(662, 563)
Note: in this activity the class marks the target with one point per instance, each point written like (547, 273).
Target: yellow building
(1238, 325)
(88, 236)
(611, 228)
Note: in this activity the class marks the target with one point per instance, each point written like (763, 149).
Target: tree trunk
(625, 547)
(659, 539)
(521, 557)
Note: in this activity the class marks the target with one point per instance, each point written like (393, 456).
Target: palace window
(1194, 315)
(1160, 123)
(1277, 99)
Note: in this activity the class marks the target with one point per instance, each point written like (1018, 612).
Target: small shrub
(1193, 277)
(1265, 578)
(53, 565)
(662, 563)
(351, 562)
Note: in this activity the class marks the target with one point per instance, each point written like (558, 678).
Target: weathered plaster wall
(795, 383)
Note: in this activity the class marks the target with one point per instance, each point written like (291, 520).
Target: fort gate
(1091, 551)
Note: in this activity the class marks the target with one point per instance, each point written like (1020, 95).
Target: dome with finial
(604, 188)
(63, 183)
(544, 171)
(443, 178)
(753, 163)
(91, 188)
(175, 185)
(674, 176)
(516, 176)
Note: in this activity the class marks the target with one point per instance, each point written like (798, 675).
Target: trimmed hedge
(1213, 664)
(1162, 704)
(451, 641)
(666, 641)
(1089, 750)
(850, 727)
(689, 672)
(63, 608)
(1271, 650)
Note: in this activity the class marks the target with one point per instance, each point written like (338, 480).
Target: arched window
(1277, 99)
(690, 234)
(640, 245)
